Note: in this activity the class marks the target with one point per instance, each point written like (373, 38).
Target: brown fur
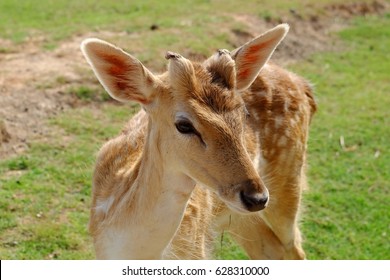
(283, 174)
(232, 152)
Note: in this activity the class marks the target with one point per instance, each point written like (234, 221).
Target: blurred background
(54, 115)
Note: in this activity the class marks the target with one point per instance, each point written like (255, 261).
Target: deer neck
(158, 199)
(161, 187)
(157, 176)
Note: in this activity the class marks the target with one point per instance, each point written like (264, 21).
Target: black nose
(254, 201)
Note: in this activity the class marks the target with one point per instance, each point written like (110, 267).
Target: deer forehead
(204, 99)
(207, 91)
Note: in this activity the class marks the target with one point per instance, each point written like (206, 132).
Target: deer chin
(235, 205)
(237, 209)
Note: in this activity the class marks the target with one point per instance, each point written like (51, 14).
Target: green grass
(45, 194)
(205, 24)
(63, 18)
(348, 213)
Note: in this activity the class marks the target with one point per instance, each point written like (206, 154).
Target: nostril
(254, 201)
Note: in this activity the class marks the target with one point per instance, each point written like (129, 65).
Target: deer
(217, 146)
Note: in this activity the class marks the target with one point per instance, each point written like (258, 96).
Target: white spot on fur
(297, 116)
(286, 105)
(262, 93)
(292, 122)
(282, 141)
(256, 116)
(278, 121)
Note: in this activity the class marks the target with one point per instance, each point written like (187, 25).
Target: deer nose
(253, 199)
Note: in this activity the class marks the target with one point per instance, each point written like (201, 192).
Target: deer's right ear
(252, 56)
(122, 75)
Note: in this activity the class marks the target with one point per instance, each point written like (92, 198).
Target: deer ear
(122, 75)
(252, 56)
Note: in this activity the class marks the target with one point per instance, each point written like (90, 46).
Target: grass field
(45, 193)
(349, 196)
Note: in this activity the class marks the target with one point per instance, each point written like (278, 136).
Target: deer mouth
(241, 204)
(237, 207)
(244, 197)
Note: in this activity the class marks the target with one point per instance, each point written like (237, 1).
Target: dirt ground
(34, 83)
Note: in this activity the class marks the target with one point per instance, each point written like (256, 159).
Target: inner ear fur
(122, 75)
(252, 56)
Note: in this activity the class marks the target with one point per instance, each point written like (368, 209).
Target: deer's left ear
(252, 56)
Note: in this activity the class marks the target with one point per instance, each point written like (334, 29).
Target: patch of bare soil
(34, 83)
(26, 98)
(309, 33)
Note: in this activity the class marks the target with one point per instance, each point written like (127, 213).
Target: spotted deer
(219, 146)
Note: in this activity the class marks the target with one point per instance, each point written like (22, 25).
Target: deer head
(196, 113)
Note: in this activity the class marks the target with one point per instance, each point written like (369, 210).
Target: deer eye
(185, 127)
